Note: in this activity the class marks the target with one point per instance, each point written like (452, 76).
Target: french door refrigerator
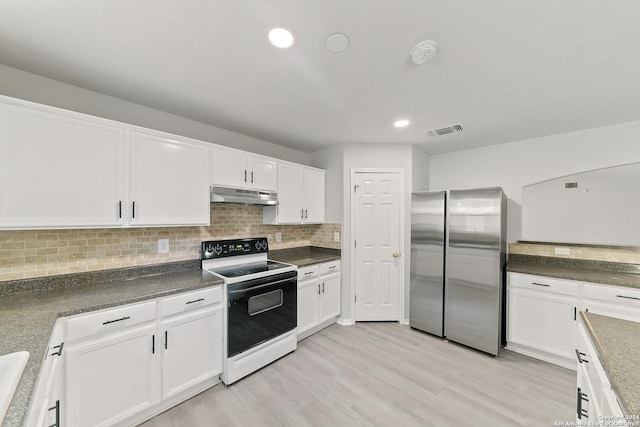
(458, 257)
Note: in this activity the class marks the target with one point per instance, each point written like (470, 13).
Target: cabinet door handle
(57, 409)
(318, 288)
(540, 284)
(302, 213)
(579, 356)
(153, 344)
(133, 210)
(252, 177)
(245, 175)
(166, 340)
(116, 320)
(194, 301)
(305, 214)
(626, 297)
(119, 209)
(59, 352)
(323, 287)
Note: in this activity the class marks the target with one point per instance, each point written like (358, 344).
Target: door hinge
(355, 244)
(355, 298)
(355, 187)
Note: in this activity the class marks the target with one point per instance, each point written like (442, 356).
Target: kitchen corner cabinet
(239, 169)
(318, 297)
(541, 315)
(168, 181)
(59, 169)
(613, 301)
(301, 198)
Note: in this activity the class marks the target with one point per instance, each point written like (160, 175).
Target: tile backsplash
(38, 253)
(622, 254)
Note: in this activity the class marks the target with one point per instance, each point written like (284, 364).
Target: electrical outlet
(278, 237)
(163, 246)
(562, 251)
(336, 236)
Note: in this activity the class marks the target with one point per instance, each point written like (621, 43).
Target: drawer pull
(332, 267)
(308, 273)
(194, 301)
(580, 359)
(540, 284)
(117, 320)
(59, 351)
(626, 297)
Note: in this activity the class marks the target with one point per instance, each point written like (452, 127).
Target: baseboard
(345, 322)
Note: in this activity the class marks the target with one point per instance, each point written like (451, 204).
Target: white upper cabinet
(59, 170)
(239, 169)
(300, 196)
(168, 181)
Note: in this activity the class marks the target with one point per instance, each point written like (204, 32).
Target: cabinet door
(330, 298)
(111, 378)
(289, 194)
(543, 322)
(308, 300)
(261, 174)
(192, 349)
(313, 196)
(59, 170)
(169, 184)
(229, 168)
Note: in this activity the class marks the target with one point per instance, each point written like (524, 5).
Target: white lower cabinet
(541, 318)
(112, 377)
(318, 297)
(192, 342)
(123, 365)
(595, 400)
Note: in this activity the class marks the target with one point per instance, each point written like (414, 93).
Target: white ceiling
(507, 69)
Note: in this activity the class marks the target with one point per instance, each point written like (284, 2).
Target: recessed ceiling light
(280, 37)
(401, 123)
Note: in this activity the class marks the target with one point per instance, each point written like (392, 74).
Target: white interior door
(377, 245)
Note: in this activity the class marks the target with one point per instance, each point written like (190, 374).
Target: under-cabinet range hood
(243, 196)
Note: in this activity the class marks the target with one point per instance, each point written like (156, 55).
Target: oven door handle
(261, 286)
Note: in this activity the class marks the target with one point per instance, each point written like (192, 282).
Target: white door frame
(401, 302)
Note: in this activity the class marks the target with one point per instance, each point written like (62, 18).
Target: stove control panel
(234, 247)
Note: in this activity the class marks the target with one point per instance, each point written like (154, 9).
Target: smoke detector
(424, 51)
(458, 127)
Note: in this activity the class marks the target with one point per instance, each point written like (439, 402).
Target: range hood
(243, 197)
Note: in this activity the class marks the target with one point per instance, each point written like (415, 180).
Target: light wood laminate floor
(386, 374)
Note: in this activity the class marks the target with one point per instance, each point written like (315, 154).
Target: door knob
(396, 254)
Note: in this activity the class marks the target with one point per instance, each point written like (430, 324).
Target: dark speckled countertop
(616, 341)
(305, 255)
(608, 273)
(30, 308)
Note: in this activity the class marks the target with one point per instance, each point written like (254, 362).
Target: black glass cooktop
(246, 269)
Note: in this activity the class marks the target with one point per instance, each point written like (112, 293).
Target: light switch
(336, 236)
(278, 237)
(163, 246)
(562, 251)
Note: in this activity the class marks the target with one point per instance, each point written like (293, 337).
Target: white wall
(516, 164)
(388, 156)
(31, 87)
(420, 169)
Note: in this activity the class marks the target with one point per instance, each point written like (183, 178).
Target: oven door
(259, 310)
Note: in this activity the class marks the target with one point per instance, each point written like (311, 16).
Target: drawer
(308, 272)
(110, 319)
(190, 300)
(330, 267)
(543, 284)
(616, 294)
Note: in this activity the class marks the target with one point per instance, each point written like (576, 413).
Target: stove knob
(217, 250)
(208, 249)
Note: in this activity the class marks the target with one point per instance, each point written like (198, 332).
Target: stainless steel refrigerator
(458, 257)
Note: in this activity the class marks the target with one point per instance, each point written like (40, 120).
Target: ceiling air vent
(459, 127)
